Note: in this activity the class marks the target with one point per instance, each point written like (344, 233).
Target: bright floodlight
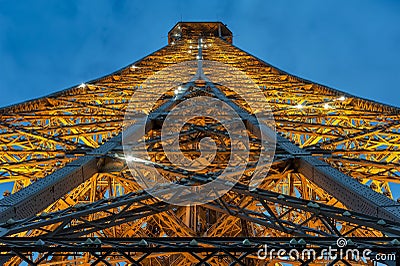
(179, 90)
(299, 106)
(135, 159)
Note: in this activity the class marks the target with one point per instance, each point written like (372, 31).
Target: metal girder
(353, 194)
(350, 192)
(236, 251)
(119, 210)
(39, 195)
(137, 205)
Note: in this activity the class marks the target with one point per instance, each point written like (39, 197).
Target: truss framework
(203, 251)
(335, 160)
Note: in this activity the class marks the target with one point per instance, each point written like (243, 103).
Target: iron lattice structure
(74, 200)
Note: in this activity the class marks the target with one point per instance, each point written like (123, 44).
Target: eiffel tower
(79, 197)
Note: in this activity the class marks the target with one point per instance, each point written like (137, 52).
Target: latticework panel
(358, 137)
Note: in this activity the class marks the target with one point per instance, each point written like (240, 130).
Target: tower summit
(199, 29)
(198, 153)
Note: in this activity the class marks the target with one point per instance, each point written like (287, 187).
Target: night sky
(46, 46)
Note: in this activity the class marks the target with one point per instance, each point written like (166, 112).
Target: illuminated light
(198, 57)
(327, 106)
(172, 43)
(299, 106)
(133, 67)
(189, 51)
(130, 158)
(179, 90)
(342, 98)
(190, 47)
(83, 85)
(201, 40)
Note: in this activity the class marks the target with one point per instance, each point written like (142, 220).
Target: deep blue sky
(46, 46)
